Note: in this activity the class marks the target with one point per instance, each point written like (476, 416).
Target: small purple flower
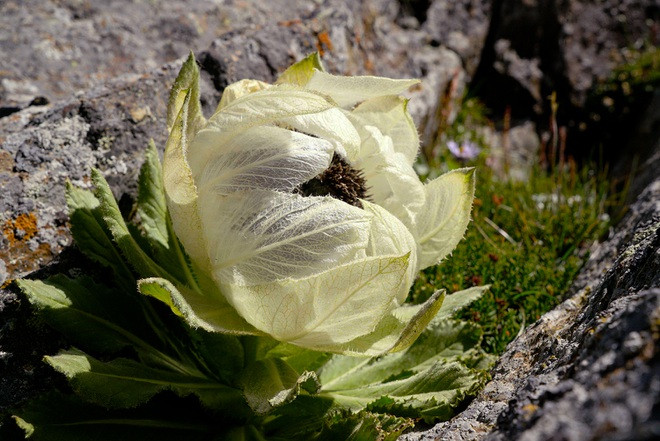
(467, 150)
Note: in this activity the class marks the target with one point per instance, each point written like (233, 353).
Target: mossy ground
(527, 240)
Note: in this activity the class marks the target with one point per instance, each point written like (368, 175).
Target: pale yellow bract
(312, 271)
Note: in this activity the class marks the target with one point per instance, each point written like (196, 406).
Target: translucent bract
(309, 270)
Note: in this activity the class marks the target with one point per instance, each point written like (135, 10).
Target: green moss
(527, 240)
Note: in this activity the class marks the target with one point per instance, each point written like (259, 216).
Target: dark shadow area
(600, 125)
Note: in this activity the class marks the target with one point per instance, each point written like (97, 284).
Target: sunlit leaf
(446, 214)
(112, 217)
(390, 115)
(347, 91)
(323, 312)
(92, 236)
(301, 72)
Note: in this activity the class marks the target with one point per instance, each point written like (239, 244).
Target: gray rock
(525, 71)
(571, 49)
(3, 272)
(574, 44)
(460, 25)
(589, 369)
(594, 36)
(107, 127)
(645, 141)
(514, 152)
(59, 47)
(411, 51)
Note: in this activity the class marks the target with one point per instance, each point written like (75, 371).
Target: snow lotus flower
(301, 213)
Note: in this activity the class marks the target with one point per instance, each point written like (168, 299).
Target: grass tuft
(528, 239)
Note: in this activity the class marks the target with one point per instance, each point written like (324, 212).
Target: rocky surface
(535, 48)
(587, 369)
(513, 152)
(590, 368)
(58, 47)
(460, 25)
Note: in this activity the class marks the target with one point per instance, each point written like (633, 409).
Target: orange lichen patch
(529, 409)
(323, 42)
(22, 260)
(289, 23)
(21, 256)
(21, 229)
(6, 160)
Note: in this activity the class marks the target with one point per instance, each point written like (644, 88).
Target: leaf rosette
(303, 224)
(301, 212)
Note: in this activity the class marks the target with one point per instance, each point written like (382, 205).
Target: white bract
(313, 271)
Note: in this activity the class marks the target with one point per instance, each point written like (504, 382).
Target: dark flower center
(340, 181)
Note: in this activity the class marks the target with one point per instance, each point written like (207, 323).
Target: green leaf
(204, 341)
(92, 316)
(112, 217)
(151, 204)
(221, 354)
(91, 236)
(427, 380)
(364, 426)
(448, 339)
(105, 321)
(451, 304)
(271, 383)
(57, 417)
(432, 393)
(419, 321)
(209, 311)
(162, 290)
(298, 358)
(155, 221)
(301, 72)
(124, 383)
(186, 83)
(302, 419)
(446, 214)
(459, 300)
